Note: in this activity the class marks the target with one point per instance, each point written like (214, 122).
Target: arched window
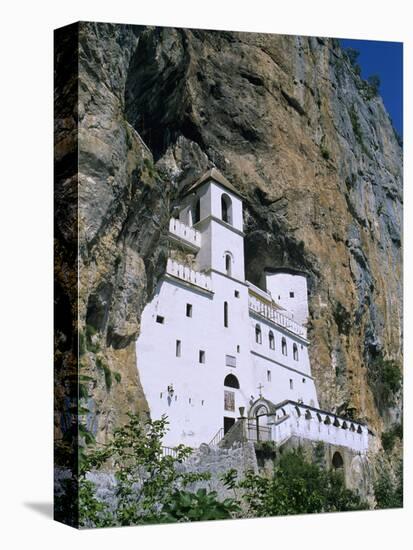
(295, 352)
(319, 418)
(271, 340)
(197, 212)
(258, 335)
(327, 421)
(231, 381)
(308, 415)
(284, 346)
(225, 314)
(337, 461)
(226, 208)
(228, 263)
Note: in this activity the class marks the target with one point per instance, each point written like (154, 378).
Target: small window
(189, 310)
(160, 319)
(238, 349)
(178, 348)
(291, 384)
(284, 346)
(228, 261)
(268, 376)
(197, 212)
(271, 340)
(295, 352)
(230, 361)
(236, 293)
(201, 356)
(190, 400)
(291, 294)
(303, 380)
(225, 314)
(258, 335)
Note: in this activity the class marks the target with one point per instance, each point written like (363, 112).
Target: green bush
(385, 379)
(388, 491)
(150, 488)
(199, 506)
(296, 487)
(388, 438)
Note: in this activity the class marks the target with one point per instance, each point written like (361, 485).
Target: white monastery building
(215, 348)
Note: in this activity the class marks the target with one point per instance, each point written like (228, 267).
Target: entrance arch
(337, 461)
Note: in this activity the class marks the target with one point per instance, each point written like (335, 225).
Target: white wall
(283, 368)
(280, 285)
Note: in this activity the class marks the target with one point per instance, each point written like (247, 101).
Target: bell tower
(214, 207)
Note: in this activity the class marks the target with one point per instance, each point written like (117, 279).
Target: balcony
(186, 235)
(273, 314)
(189, 275)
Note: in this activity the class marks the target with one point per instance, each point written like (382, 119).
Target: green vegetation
(325, 153)
(373, 86)
(388, 438)
(385, 379)
(92, 342)
(355, 123)
(388, 489)
(296, 487)
(149, 487)
(152, 488)
(150, 168)
(199, 506)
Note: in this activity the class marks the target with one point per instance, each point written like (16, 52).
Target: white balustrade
(309, 423)
(184, 232)
(274, 315)
(186, 273)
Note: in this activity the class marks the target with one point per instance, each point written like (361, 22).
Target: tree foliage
(388, 489)
(296, 487)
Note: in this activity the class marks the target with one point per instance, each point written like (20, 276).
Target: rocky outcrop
(288, 121)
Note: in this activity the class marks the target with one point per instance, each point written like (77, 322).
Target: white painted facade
(207, 322)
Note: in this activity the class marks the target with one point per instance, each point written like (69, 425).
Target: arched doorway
(337, 461)
(261, 423)
(230, 381)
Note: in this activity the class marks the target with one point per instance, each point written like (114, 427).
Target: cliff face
(291, 125)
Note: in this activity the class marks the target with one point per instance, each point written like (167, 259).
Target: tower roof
(215, 175)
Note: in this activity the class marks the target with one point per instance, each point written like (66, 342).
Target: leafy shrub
(388, 491)
(149, 486)
(296, 487)
(325, 153)
(385, 380)
(199, 506)
(388, 438)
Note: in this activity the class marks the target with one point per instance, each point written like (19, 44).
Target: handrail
(188, 234)
(189, 275)
(273, 314)
(217, 438)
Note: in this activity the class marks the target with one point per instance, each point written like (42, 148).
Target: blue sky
(386, 60)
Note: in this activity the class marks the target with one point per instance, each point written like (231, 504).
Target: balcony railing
(187, 234)
(189, 275)
(274, 315)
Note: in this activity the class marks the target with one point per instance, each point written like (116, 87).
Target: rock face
(291, 125)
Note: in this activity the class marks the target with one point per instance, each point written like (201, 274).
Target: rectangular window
(291, 294)
(178, 348)
(201, 356)
(303, 380)
(189, 310)
(268, 375)
(236, 293)
(230, 361)
(238, 349)
(160, 319)
(291, 384)
(229, 400)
